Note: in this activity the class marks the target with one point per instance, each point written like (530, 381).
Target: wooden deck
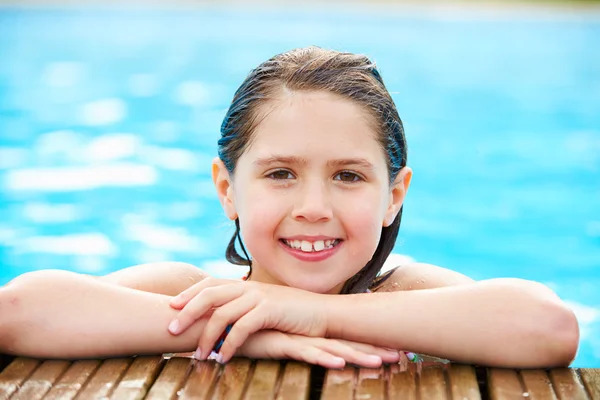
(184, 378)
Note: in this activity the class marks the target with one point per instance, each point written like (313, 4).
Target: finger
(201, 304)
(350, 354)
(246, 325)
(388, 356)
(218, 323)
(184, 297)
(313, 355)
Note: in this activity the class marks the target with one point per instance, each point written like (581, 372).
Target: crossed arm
(127, 312)
(61, 314)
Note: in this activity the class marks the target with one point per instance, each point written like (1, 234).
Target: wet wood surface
(158, 377)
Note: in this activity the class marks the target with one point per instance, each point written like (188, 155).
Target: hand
(250, 307)
(328, 353)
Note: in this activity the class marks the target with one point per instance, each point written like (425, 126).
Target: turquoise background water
(109, 120)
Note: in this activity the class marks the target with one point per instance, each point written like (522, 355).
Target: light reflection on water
(110, 119)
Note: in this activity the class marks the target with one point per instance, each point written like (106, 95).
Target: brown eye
(281, 175)
(347, 176)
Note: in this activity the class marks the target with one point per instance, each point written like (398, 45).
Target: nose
(313, 202)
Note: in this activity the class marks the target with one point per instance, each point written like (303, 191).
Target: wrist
(335, 308)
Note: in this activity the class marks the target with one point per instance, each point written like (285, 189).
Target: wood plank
(371, 384)
(432, 383)
(504, 384)
(5, 360)
(73, 380)
(591, 381)
(463, 382)
(105, 379)
(567, 385)
(263, 382)
(233, 379)
(171, 378)
(403, 381)
(201, 380)
(139, 377)
(40, 382)
(295, 382)
(537, 384)
(339, 384)
(15, 374)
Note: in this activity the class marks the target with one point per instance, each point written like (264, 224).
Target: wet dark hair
(351, 76)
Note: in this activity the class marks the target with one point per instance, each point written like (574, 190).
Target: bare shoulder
(416, 276)
(168, 278)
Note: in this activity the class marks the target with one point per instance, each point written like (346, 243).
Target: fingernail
(215, 356)
(174, 326)
(339, 361)
(198, 354)
(394, 353)
(373, 358)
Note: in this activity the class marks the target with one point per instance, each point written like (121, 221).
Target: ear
(223, 184)
(397, 194)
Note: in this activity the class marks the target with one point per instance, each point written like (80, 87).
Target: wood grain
(567, 384)
(233, 379)
(201, 380)
(40, 382)
(403, 382)
(339, 384)
(263, 382)
(591, 380)
(463, 382)
(13, 376)
(171, 379)
(295, 382)
(73, 380)
(138, 379)
(105, 379)
(504, 384)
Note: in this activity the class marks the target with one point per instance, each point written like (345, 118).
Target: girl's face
(311, 192)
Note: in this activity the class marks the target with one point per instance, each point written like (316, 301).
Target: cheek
(363, 218)
(259, 217)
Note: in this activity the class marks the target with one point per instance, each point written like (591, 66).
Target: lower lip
(313, 256)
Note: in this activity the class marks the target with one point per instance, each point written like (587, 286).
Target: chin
(312, 285)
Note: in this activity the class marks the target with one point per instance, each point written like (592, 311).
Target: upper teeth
(309, 247)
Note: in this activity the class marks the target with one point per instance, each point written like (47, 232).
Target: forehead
(316, 123)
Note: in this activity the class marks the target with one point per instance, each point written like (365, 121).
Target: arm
(500, 322)
(416, 276)
(59, 314)
(170, 278)
(63, 314)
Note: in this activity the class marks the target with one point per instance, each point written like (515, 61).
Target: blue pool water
(109, 120)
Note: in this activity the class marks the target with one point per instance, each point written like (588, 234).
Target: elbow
(560, 330)
(14, 298)
(9, 304)
(565, 342)
(553, 329)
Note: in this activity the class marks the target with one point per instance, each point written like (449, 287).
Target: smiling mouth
(311, 247)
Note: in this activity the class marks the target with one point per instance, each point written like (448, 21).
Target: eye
(347, 176)
(280, 174)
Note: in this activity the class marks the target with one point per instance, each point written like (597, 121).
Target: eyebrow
(293, 160)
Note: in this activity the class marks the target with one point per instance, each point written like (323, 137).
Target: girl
(312, 169)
